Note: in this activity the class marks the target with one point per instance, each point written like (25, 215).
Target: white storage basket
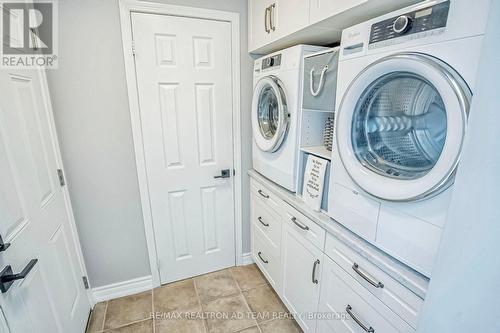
(320, 80)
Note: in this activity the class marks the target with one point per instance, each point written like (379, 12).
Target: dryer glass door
(269, 114)
(401, 126)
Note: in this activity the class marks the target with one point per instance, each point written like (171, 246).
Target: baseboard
(121, 289)
(246, 259)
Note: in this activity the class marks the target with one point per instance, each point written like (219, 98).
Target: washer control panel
(416, 24)
(273, 61)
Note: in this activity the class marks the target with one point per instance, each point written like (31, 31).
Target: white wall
(464, 293)
(92, 116)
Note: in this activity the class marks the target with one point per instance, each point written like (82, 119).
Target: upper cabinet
(270, 20)
(323, 9)
(259, 29)
(277, 24)
(289, 16)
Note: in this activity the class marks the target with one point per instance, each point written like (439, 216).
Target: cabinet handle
(314, 280)
(267, 12)
(376, 284)
(271, 16)
(264, 261)
(262, 222)
(263, 194)
(363, 326)
(299, 224)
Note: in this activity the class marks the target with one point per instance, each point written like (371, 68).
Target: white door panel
(33, 215)
(183, 68)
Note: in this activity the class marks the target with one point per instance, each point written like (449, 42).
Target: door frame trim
(137, 6)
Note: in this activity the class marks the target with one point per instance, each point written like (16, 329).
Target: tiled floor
(237, 299)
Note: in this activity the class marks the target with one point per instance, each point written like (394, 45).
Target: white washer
(275, 114)
(405, 83)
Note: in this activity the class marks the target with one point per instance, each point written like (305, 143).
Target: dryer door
(401, 126)
(269, 114)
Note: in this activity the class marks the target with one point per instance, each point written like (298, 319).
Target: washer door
(401, 126)
(269, 114)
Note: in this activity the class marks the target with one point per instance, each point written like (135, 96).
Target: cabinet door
(288, 16)
(302, 266)
(322, 9)
(259, 29)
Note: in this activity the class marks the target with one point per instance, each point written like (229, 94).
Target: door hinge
(234, 172)
(60, 174)
(133, 48)
(85, 282)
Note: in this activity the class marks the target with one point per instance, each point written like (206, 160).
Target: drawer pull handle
(262, 222)
(299, 224)
(363, 326)
(263, 194)
(314, 280)
(379, 284)
(264, 261)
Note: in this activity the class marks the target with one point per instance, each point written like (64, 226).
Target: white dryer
(405, 83)
(275, 114)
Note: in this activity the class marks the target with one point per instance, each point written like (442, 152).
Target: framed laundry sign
(314, 181)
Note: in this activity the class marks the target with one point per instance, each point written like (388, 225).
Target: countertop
(405, 275)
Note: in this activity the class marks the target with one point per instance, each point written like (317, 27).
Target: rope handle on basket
(321, 81)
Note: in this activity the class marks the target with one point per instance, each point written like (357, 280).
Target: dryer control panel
(421, 23)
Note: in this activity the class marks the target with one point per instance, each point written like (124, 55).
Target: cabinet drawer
(265, 197)
(305, 226)
(398, 298)
(355, 306)
(354, 210)
(413, 241)
(266, 219)
(267, 257)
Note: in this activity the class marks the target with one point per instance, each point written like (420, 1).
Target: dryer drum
(399, 126)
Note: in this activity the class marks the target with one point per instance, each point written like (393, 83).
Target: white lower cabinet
(302, 266)
(327, 286)
(399, 299)
(352, 308)
(267, 258)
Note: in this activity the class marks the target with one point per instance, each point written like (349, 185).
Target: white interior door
(183, 68)
(33, 214)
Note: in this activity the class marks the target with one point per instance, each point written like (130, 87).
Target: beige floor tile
(141, 327)
(175, 296)
(122, 311)
(280, 326)
(254, 329)
(265, 303)
(248, 276)
(97, 318)
(215, 285)
(190, 321)
(232, 314)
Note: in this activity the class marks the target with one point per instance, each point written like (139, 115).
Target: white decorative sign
(314, 179)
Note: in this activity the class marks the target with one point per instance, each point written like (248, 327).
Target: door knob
(226, 173)
(7, 277)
